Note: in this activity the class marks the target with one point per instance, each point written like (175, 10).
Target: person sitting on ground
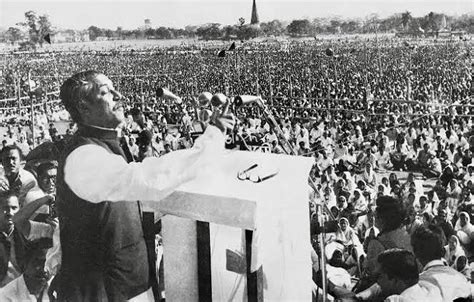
(370, 231)
(453, 250)
(397, 158)
(323, 162)
(382, 159)
(465, 230)
(369, 175)
(441, 220)
(424, 206)
(364, 158)
(346, 235)
(434, 168)
(398, 278)
(440, 190)
(393, 180)
(427, 219)
(446, 176)
(461, 264)
(386, 184)
(423, 158)
(433, 201)
(340, 188)
(453, 195)
(389, 217)
(412, 222)
(428, 249)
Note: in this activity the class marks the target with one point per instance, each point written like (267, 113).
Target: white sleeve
(96, 175)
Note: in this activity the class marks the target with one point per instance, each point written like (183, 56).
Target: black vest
(104, 256)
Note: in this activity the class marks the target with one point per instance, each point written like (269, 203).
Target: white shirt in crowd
(17, 290)
(425, 293)
(450, 282)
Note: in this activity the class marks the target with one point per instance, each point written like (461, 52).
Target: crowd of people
(389, 125)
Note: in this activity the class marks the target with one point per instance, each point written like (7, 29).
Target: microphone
(218, 99)
(241, 100)
(168, 95)
(204, 99)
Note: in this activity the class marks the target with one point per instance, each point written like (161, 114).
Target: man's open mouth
(118, 106)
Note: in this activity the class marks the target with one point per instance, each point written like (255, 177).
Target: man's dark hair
(391, 212)
(399, 264)
(77, 88)
(42, 168)
(427, 245)
(9, 148)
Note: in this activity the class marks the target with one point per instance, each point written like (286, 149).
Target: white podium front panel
(276, 209)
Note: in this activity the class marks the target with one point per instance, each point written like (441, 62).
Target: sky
(80, 14)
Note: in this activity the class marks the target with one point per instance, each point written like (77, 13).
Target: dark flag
(221, 53)
(232, 46)
(47, 38)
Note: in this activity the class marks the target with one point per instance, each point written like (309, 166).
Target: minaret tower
(254, 18)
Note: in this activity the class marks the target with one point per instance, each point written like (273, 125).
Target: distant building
(147, 24)
(254, 19)
(69, 35)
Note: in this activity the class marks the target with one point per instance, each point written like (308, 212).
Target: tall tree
(406, 17)
(299, 27)
(13, 34)
(274, 28)
(38, 27)
(44, 28)
(94, 32)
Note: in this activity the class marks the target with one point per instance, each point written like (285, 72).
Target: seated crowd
(399, 186)
(422, 221)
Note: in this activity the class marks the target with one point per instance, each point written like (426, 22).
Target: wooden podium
(266, 222)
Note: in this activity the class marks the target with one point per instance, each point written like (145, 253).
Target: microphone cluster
(216, 100)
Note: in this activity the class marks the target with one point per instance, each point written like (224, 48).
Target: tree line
(402, 22)
(31, 31)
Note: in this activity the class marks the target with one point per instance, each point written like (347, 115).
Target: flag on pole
(232, 46)
(47, 38)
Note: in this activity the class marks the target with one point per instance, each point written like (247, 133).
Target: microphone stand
(320, 207)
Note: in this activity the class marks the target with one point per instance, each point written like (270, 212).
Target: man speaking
(104, 253)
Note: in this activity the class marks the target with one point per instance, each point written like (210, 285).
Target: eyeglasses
(246, 175)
